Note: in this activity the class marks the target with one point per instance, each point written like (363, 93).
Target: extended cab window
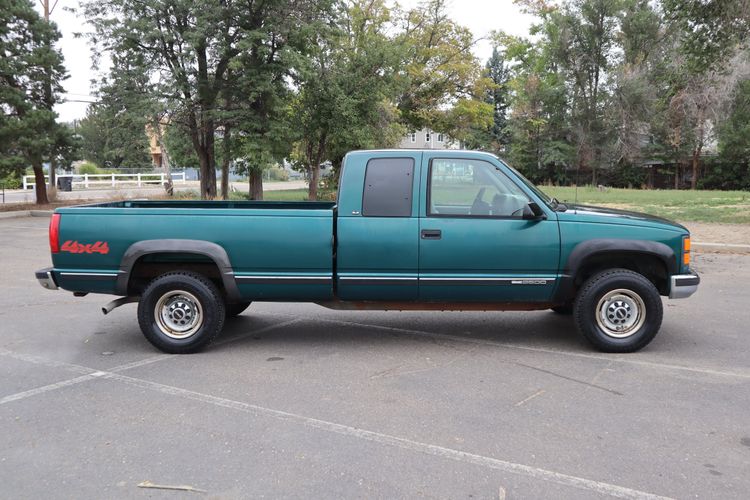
(472, 188)
(388, 187)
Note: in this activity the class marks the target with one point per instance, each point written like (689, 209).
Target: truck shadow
(541, 330)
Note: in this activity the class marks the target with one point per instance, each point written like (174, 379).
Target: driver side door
(474, 244)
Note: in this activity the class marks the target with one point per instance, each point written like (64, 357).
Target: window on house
(427, 137)
(413, 137)
(440, 137)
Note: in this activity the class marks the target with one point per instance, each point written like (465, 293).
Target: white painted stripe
(597, 357)
(48, 388)
(246, 276)
(90, 274)
(377, 278)
(522, 279)
(346, 430)
(395, 441)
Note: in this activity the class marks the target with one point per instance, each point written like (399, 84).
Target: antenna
(578, 178)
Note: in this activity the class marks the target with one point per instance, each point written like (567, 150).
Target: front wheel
(618, 311)
(181, 312)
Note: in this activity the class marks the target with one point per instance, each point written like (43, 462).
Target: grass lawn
(701, 206)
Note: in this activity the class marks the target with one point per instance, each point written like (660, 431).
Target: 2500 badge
(75, 247)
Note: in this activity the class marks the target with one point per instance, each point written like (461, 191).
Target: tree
(188, 49)
(29, 65)
(114, 131)
(710, 30)
(441, 82)
(344, 101)
(497, 96)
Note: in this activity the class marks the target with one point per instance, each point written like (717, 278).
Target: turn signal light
(686, 250)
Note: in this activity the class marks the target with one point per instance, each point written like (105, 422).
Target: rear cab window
(388, 187)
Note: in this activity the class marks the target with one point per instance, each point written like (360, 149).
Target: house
(428, 139)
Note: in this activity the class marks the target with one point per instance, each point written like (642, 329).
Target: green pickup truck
(411, 230)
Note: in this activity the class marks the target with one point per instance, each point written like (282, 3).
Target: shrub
(278, 174)
(88, 168)
(11, 181)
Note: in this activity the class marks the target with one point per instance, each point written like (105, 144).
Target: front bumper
(683, 285)
(46, 279)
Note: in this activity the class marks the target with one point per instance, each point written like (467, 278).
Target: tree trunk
(256, 184)
(677, 175)
(696, 164)
(227, 153)
(202, 137)
(40, 185)
(314, 179)
(52, 172)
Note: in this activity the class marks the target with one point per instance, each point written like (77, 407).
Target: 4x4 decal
(74, 247)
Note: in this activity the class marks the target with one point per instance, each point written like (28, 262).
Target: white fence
(110, 180)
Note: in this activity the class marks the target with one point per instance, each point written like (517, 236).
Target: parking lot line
(342, 429)
(599, 357)
(90, 373)
(49, 388)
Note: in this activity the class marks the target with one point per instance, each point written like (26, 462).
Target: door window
(472, 188)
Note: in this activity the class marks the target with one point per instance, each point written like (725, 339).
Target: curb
(707, 247)
(25, 213)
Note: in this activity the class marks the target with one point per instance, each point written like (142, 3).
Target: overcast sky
(481, 16)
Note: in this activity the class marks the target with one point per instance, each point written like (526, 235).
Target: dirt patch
(716, 232)
(13, 207)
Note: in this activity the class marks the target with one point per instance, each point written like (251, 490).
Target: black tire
(607, 304)
(236, 309)
(189, 303)
(564, 309)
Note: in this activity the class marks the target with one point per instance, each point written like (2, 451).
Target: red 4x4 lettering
(74, 247)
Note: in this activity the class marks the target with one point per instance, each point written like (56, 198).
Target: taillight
(54, 233)
(686, 250)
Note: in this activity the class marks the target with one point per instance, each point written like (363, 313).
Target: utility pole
(48, 97)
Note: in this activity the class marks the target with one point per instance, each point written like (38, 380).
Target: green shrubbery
(88, 168)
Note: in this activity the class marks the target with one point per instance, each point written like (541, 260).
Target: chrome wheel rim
(178, 314)
(620, 313)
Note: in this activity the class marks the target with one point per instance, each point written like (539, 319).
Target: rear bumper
(683, 285)
(46, 279)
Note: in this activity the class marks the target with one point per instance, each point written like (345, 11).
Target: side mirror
(532, 211)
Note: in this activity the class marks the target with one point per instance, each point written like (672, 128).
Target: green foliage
(12, 180)
(343, 103)
(709, 29)
(441, 81)
(114, 136)
(88, 168)
(213, 63)
(734, 133)
(31, 70)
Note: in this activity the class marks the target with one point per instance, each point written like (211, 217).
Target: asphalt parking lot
(294, 400)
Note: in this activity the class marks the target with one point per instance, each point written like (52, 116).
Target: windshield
(550, 202)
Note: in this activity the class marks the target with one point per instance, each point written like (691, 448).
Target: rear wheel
(236, 309)
(618, 311)
(181, 312)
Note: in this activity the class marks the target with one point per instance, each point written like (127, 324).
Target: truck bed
(216, 204)
(277, 250)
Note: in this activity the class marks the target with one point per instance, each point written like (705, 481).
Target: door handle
(431, 234)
